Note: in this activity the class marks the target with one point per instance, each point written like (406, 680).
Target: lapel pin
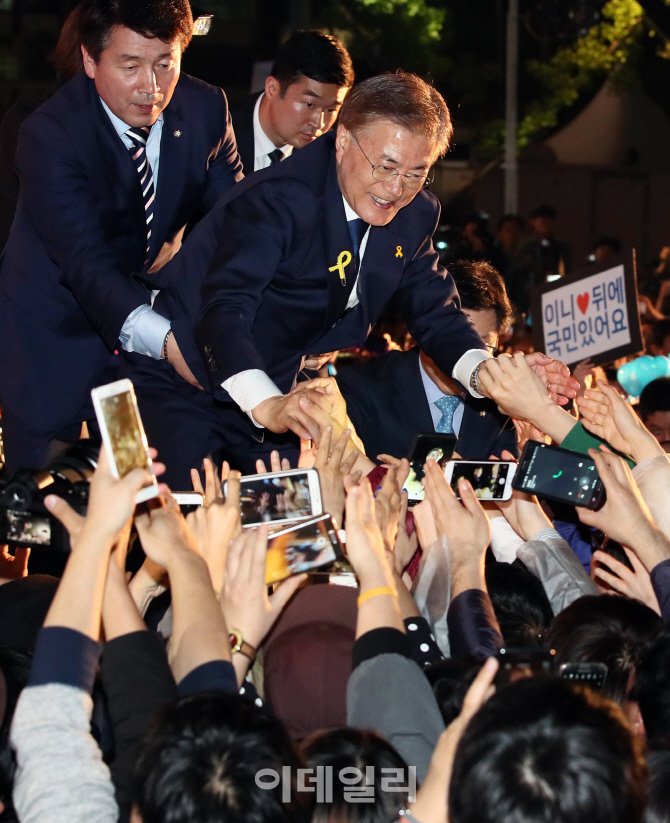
(482, 414)
(398, 251)
(177, 133)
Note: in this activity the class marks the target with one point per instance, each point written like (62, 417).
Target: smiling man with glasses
(300, 260)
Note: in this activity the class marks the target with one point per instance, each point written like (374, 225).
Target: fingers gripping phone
(123, 433)
(559, 474)
(438, 447)
(490, 479)
(302, 548)
(279, 497)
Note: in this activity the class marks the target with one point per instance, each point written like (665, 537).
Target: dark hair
(320, 57)
(540, 750)
(655, 397)
(349, 748)
(168, 20)
(14, 671)
(544, 210)
(659, 331)
(652, 686)
(66, 57)
(511, 218)
(405, 100)
(200, 760)
(481, 287)
(450, 679)
(607, 629)
(520, 604)
(611, 242)
(658, 797)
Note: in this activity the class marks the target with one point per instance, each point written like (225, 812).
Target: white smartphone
(279, 497)
(123, 433)
(188, 498)
(491, 479)
(303, 547)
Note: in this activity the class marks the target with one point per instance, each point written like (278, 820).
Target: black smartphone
(312, 545)
(559, 474)
(438, 447)
(518, 663)
(589, 674)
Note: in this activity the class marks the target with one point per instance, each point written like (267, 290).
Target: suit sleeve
(56, 193)
(429, 302)
(258, 233)
(225, 166)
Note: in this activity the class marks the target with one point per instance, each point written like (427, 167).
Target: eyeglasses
(384, 173)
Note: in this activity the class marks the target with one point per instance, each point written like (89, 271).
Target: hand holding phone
(490, 479)
(304, 548)
(279, 497)
(434, 446)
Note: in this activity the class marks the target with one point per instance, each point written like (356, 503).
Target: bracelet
(378, 592)
(238, 644)
(165, 344)
(474, 378)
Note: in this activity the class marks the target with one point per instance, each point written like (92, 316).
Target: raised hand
(333, 466)
(276, 464)
(213, 483)
(635, 584)
(523, 512)
(555, 376)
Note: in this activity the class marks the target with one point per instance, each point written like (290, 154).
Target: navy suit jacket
(75, 260)
(387, 405)
(242, 113)
(271, 290)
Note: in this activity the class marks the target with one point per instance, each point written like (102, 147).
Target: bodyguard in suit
(300, 259)
(310, 78)
(112, 168)
(391, 399)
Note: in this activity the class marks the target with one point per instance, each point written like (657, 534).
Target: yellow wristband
(378, 592)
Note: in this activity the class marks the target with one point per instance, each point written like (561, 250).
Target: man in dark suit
(300, 259)
(391, 399)
(310, 78)
(98, 216)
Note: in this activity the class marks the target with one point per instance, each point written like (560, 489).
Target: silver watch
(474, 378)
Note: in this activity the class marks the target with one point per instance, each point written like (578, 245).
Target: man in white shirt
(310, 78)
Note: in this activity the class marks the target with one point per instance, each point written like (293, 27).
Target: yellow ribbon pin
(343, 259)
(398, 251)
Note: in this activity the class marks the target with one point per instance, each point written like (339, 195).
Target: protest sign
(592, 313)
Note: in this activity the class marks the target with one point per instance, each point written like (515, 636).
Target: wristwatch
(474, 378)
(238, 644)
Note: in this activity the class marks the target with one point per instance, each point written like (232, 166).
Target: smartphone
(279, 497)
(491, 479)
(302, 548)
(559, 474)
(437, 447)
(123, 433)
(589, 674)
(518, 663)
(188, 501)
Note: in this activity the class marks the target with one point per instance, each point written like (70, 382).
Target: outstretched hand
(555, 376)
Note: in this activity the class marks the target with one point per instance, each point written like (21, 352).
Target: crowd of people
(462, 659)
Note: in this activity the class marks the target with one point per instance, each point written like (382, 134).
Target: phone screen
(125, 434)
(26, 528)
(589, 674)
(438, 447)
(302, 549)
(558, 473)
(268, 499)
(487, 479)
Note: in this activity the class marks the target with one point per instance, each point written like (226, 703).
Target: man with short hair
(301, 259)
(310, 78)
(654, 409)
(394, 397)
(112, 168)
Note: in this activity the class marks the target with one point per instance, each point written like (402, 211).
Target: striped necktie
(138, 151)
(447, 405)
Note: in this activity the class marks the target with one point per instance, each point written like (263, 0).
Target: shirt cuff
(505, 542)
(547, 534)
(215, 676)
(380, 641)
(65, 656)
(466, 365)
(144, 332)
(250, 388)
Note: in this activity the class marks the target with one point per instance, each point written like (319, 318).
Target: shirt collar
(119, 126)
(262, 143)
(349, 212)
(433, 392)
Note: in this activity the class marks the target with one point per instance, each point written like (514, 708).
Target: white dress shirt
(262, 143)
(144, 330)
(251, 387)
(435, 393)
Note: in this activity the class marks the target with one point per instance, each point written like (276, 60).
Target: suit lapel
(382, 268)
(410, 403)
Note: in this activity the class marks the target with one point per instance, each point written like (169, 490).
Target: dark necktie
(276, 156)
(357, 229)
(138, 151)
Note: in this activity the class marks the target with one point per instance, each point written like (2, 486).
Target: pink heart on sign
(583, 302)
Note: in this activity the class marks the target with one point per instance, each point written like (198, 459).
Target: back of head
(480, 287)
(66, 57)
(540, 750)
(200, 761)
(168, 20)
(321, 57)
(354, 755)
(652, 686)
(658, 796)
(520, 604)
(404, 99)
(608, 629)
(655, 397)
(451, 678)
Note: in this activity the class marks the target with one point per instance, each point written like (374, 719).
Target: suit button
(482, 414)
